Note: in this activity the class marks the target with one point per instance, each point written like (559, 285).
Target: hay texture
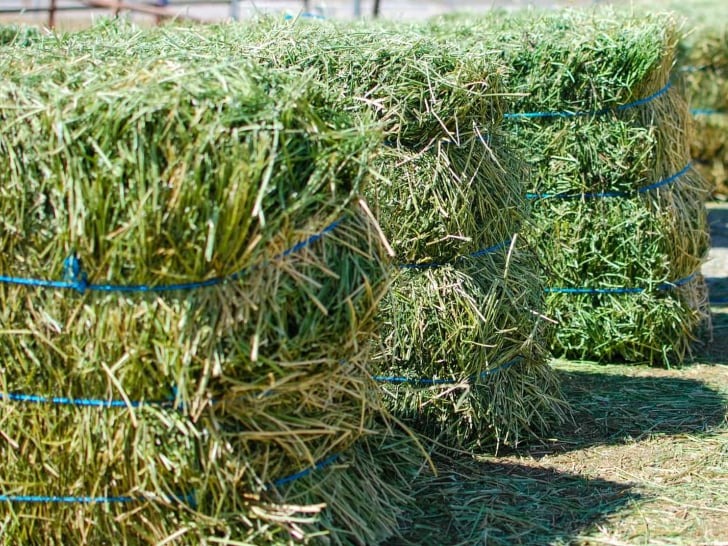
(618, 215)
(17, 35)
(463, 354)
(703, 71)
(442, 192)
(188, 295)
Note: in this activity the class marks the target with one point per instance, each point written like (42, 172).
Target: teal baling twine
(661, 287)
(303, 473)
(603, 111)
(77, 279)
(705, 111)
(476, 254)
(189, 499)
(83, 402)
(612, 194)
(424, 381)
(69, 499)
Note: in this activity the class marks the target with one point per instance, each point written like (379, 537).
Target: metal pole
(376, 8)
(235, 10)
(52, 15)
(357, 8)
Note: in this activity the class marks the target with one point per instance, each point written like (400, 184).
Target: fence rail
(159, 9)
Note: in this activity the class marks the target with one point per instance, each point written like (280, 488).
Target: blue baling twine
(662, 287)
(82, 402)
(77, 279)
(304, 15)
(189, 499)
(704, 111)
(303, 473)
(601, 195)
(427, 381)
(621, 108)
(476, 254)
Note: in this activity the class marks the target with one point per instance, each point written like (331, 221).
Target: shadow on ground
(495, 501)
(472, 502)
(611, 408)
(716, 268)
(716, 351)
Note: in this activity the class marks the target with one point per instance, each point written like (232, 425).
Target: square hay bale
(703, 69)
(618, 212)
(189, 291)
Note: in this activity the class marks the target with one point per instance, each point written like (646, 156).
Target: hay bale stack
(619, 220)
(441, 193)
(704, 60)
(463, 347)
(703, 70)
(189, 293)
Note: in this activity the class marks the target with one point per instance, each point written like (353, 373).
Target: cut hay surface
(417, 90)
(446, 201)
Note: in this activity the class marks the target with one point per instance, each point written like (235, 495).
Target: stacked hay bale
(462, 355)
(619, 217)
(463, 351)
(17, 35)
(703, 67)
(704, 59)
(188, 300)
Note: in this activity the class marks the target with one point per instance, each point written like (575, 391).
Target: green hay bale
(463, 357)
(446, 201)
(705, 61)
(354, 498)
(710, 150)
(152, 176)
(593, 63)
(703, 69)
(17, 35)
(247, 423)
(437, 201)
(176, 197)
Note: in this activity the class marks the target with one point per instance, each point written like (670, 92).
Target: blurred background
(69, 14)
